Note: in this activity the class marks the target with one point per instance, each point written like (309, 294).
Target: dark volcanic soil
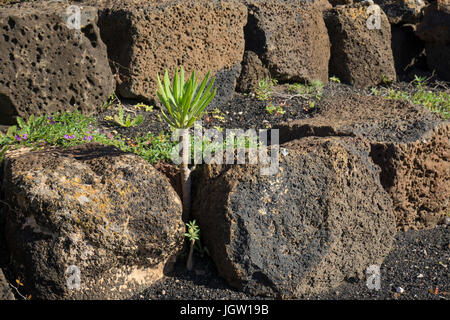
(245, 111)
(242, 112)
(419, 263)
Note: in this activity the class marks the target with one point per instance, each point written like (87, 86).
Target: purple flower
(67, 137)
(21, 137)
(88, 138)
(50, 120)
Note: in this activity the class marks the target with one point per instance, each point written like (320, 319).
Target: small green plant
(335, 79)
(218, 115)
(385, 80)
(2, 152)
(270, 108)
(193, 234)
(110, 101)
(141, 105)
(265, 87)
(435, 101)
(313, 89)
(127, 122)
(317, 85)
(183, 103)
(420, 82)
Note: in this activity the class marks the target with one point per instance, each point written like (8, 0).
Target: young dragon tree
(183, 103)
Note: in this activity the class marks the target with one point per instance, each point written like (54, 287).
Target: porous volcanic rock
(110, 214)
(5, 289)
(434, 29)
(408, 50)
(340, 2)
(46, 65)
(146, 37)
(360, 56)
(402, 12)
(438, 58)
(322, 218)
(435, 25)
(408, 142)
(253, 70)
(290, 38)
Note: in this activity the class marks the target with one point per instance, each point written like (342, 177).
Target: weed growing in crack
(312, 90)
(335, 79)
(127, 122)
(277, 109)
(265, 87)
(143, 106)
(193, 235)
(436, 101)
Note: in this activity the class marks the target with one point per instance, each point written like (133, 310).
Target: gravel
(417, 268)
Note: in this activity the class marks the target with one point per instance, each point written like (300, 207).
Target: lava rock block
(88, 222)
(408, 51)
(434, 29)
(5, 289)
(409, 143)
(146, 37)
(290, 38)
(401, 12)
(253, 70)
(438, 58)
(46, 65)
(435, 25)
(360, 56)
(225, 84)
(322, 218)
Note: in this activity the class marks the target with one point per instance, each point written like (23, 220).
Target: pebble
(284, 152)
(399, 290)
(420, 276)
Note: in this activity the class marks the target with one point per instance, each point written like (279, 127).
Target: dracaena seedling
(184, 102)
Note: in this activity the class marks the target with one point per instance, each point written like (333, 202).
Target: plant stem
(190, 260)
(185, 174)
